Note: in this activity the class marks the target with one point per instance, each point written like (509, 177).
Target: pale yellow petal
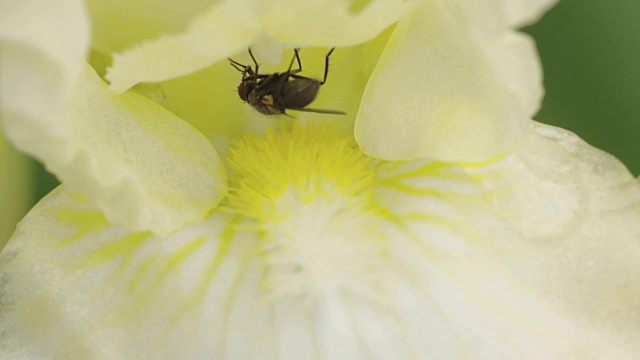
(578, 209)
(77, 287)
(524, 12)
(540, 245)
(330, 22)
(435, 93)
(490, 18)
(231, 26)
(143, 166)
(393, 261)
(119, 24)
(226, 28)
(42, 49)
(514, 59)
(43, 45)
(208, 99)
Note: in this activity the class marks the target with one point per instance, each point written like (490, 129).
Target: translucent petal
(103, 291)
(578, 208)
(230, 27)
(492, 17)
(532, 255)
(556, 222)
(226, 28)
(43, 49)
(524, 12)
(330, 22)
(119, 24)
(208, 100)
(435, 93)
(138, 162)
(514, 59)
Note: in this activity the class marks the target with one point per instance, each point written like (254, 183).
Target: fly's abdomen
(298, 93)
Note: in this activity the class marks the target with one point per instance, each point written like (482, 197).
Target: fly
(273, 94)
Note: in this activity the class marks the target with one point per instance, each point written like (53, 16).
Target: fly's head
(245, 88)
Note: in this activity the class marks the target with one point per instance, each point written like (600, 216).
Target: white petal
(524, 12)
(546, 239)
(471, 261)
(43, 50)
(435, 93)
(146, 168)
(330, 22)
(77, 287)
(229, 27)
(514, 59)
(226, 28)
(492, 17)
(142, 165)
(581, 222)
(119, 24)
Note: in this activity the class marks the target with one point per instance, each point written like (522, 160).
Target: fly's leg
(285, 76)
(297, 58)
(244, 69)
(254, 61)
(326, 66)
(267, 80)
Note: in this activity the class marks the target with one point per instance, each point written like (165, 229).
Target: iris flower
(434, 221)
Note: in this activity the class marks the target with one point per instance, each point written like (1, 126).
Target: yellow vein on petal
(142, 270)
(445, 195)
(84, 221)
(431, 169)
(170, 266)
(123, 248)
(209, 274)
(445, 222)
(233, 295)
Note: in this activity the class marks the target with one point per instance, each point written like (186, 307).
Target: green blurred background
(590, 51)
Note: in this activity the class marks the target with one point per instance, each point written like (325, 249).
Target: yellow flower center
(310, 193)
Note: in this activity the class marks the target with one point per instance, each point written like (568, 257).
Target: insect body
(273, 94)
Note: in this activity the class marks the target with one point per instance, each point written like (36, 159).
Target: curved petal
(43, 49)
(226, 28)
(457, 260)
(436, 94)
(514, 59)
(103, 291)
(557, 220)
(490, 18)
(119, 24)
(231, 26)
(329, 22)
(524, 12)
(143, 166)
(209, 101)
(581, 225)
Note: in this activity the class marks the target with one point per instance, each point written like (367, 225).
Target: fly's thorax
(264, 103)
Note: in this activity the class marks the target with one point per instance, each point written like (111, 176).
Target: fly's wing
(321, 111)
(299, 92)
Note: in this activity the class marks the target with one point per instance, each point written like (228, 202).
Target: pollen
(310, 194)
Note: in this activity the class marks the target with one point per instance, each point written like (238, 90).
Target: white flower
(434, 221)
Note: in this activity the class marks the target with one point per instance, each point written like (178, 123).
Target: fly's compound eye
(241, 92)
(245, 88)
